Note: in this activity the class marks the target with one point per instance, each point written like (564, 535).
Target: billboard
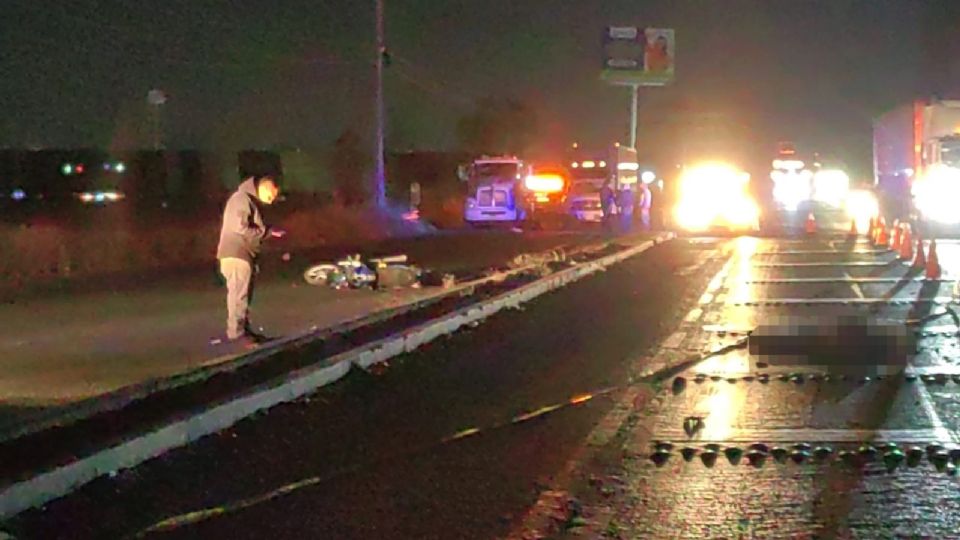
(638, 56)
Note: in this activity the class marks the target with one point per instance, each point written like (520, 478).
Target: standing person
(241, 236)
(646, 199)
(608, 205)
(627, 203)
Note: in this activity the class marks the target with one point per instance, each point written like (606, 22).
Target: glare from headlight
(790, 188)
(936, 193)
(861, 207)
(715, 194)
(831, 187)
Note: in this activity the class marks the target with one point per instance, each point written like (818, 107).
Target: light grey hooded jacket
(243, 228)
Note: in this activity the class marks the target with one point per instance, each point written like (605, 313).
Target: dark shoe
(258, 337)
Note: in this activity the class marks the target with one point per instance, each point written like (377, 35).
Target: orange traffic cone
(920, 261)
(880, 227)
(872, 231)
(853, 228)
(906, 244)
(882, 239)
(933, 262)
(897, 235)
(811, 225)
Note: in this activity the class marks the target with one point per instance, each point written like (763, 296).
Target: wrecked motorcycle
(354, 272)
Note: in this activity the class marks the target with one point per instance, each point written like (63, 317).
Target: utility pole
(379, 172)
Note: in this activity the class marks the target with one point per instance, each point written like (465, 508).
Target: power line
(410, 64)
(459, 101)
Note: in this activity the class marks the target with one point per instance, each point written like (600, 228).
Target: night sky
(297, 72)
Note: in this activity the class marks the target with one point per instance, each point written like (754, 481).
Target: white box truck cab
(589, 172)
(507, 189)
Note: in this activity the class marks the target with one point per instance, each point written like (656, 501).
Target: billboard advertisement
(638, 56)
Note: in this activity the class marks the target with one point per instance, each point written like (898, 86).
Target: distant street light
(156, 99)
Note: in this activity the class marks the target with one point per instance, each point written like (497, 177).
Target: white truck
(510, 190)
(589, 172)
(916, 150)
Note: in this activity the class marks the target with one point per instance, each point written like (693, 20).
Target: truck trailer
(916, 149)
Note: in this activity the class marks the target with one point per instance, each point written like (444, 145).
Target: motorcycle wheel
(320, 274)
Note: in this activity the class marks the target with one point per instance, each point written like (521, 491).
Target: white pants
(238, 274)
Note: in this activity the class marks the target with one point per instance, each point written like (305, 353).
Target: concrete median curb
(122, 397)
(60, 481)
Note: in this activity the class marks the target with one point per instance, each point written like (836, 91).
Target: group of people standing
(620, 207)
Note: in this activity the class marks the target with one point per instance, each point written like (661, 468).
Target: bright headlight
(861, 206)
(936, 192)
(713, 193)
(831, 186)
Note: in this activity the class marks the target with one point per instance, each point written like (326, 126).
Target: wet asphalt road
(795, 411)
(366, 458)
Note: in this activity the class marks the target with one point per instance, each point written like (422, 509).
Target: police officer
(608, 205)
(627, 203)
(646, 200)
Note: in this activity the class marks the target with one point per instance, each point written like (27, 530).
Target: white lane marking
(891, 301)
(722, 276)
(829, 240)
(940, 329)
(694, 315)
(716, 282)
(828, 264)
(926, 402)
(824, 252)
(856, 287)
(933, 370)
(940, 435)
(725, 329)
(674, 341)
(846, 279)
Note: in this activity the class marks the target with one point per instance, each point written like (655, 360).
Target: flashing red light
(545, 183)
(79, 168)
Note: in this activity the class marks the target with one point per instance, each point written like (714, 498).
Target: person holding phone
(241, 236)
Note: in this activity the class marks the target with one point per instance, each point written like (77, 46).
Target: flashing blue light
(18, 194)
(99, 197)
(106, 166)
